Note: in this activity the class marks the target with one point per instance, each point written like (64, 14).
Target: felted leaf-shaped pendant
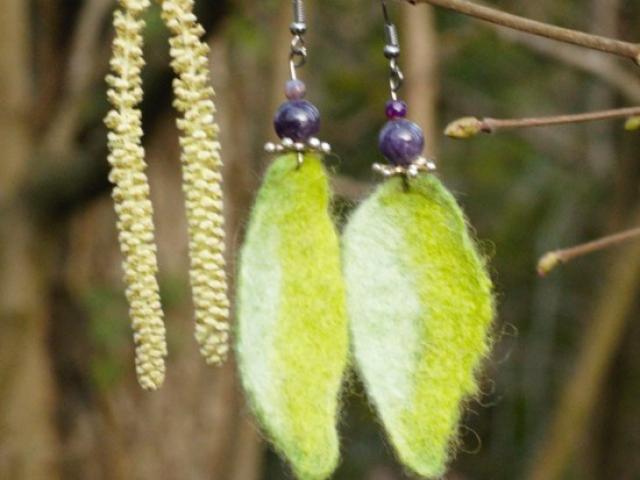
(292, 335)
(420, 306)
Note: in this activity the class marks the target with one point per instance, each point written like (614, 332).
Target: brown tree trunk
(27, 438)
(421, 69)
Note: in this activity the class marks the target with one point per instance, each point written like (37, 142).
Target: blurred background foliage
(560, 392)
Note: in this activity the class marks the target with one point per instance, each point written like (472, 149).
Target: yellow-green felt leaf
(420, 306)
(292, 335)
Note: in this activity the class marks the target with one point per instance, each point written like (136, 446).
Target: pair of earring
(405, 291)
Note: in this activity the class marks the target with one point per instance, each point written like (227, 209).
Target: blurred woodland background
(562, 388)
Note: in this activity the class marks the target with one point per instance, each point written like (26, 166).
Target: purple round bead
(295, 89)
(401, 142)
(396, 109)
(298, 120)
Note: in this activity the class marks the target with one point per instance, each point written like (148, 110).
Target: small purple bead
(401, 142)
(396, 109)
(298, 120)
(295, 90)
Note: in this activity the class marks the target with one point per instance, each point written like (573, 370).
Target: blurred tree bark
(601, 147)
(279, 62)
(15, 51)
(27, 436)
(421, 60)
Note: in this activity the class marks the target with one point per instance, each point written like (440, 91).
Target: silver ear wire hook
(298, 54)
(385, 12)
(392, 52)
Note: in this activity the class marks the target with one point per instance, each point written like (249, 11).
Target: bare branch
(468, 127)
(498, 17)
(552, 259)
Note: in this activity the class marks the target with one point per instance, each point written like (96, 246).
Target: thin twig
(552, 259)
(587, 40)
(467, 127)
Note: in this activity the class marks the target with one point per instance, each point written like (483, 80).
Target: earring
(292, 336)
(419, 298)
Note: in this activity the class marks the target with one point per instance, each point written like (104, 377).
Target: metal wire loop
(297, 56)
(396, 79)
(392, 52)
(298, 51)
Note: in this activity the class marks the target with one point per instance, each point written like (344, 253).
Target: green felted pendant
(420, 305)
(292, 335)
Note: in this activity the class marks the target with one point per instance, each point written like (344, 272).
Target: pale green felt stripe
(258, 298)
(306, 350)
(425, 231)
(384, 309)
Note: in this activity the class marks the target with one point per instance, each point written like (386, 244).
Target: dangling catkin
(131, 194)
(202, 177)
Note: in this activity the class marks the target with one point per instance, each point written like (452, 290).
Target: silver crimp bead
(298, 28)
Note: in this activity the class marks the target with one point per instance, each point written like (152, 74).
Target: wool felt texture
(420, 306)
(292, 334)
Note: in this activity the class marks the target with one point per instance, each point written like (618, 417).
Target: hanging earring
(292, 340)
(418, 294)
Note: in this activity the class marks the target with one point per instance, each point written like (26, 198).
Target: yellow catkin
(202, 177)
(131, 194)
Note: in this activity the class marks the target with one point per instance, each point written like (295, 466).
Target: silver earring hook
(385, 12)
(298, 54)
(392, 52)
